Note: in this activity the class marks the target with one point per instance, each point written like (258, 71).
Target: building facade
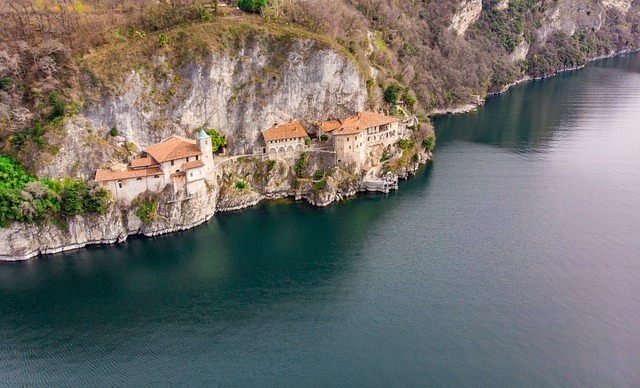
(283, 139)
(180, 162)
(354, 136)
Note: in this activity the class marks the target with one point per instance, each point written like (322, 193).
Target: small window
(197, 157)
(138, 179)
(172, 162)
(187, 159)
(177, 170)
(156, 176)
(119, 184)
(191, 174)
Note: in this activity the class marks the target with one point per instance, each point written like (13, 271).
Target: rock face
(237, 93)
(317, 180)
(621, 5)
(468, 13)
(23, 241)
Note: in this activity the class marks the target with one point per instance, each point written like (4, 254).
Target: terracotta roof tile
(173, 148)
(143, 162)
(194, 164)
(288, 130)
(361, 121)
(109, 175)
(330, 125)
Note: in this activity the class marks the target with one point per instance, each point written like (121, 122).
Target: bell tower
(203, 141)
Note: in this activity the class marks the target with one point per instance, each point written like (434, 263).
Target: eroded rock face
(468, 13)
(239, 94)
(621, 5)
(22, 241)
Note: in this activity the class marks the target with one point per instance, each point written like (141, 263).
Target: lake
(512, 260)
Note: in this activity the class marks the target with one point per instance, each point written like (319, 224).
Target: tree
(391, 94)
(252, 6)
(217, 141)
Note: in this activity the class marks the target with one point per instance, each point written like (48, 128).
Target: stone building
(180, 162)
(354, 136)
(285, 138)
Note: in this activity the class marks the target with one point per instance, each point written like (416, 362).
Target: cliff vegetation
(85, 81)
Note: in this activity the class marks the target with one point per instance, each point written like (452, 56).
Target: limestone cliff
(467, 14)
(239, 94)
(22, 241)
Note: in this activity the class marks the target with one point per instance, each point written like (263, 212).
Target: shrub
(113, 132)
(429, 143)
(252, 6)
(391, 94)
(324, 137)
(240, 185)
(270, 165)
(147, 211)
(320, 184)
(307, 140)
(162, 39)
(25, 199)
(300, 164)
(405, 144)
(217, 141)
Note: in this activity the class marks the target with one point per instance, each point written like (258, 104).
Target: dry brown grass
(111, 63)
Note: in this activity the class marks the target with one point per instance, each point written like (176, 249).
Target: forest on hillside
(404, 46)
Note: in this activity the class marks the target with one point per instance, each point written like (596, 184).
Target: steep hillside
(111, 77)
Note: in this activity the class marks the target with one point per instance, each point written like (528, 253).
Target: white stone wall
(128, 189)
(351, 148)
(207, 156)
(195, 174)
(285, 146)
(384, 135)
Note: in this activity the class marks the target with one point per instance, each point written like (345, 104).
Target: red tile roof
(288, 130)
(361, 121)
(330, 125)
(173, 148)
(194, 164)
(109, 175)
(143, 162)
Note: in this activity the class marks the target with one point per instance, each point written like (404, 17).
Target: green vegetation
(252, 6)
(300, 164)
(240, 185)
(113, 132)
(324, 137)
(307, 140)
(217, 141)
(405, 145)
(391, 94)
(271, 164)
(147, 210)
(429, 143)
(27, 199)
(320, 184)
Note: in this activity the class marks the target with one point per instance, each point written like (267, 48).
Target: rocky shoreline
(25, 241)
(470, 107)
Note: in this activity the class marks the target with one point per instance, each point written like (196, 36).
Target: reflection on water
(512, 260)
(526, 118)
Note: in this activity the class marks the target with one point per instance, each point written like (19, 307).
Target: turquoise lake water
(512, 260)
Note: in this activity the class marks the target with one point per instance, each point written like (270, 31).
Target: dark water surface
(513, 260)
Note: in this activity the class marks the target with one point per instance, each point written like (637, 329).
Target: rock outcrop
(237, 94)
(468, 13)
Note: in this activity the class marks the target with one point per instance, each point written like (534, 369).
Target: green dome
(202, 135)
